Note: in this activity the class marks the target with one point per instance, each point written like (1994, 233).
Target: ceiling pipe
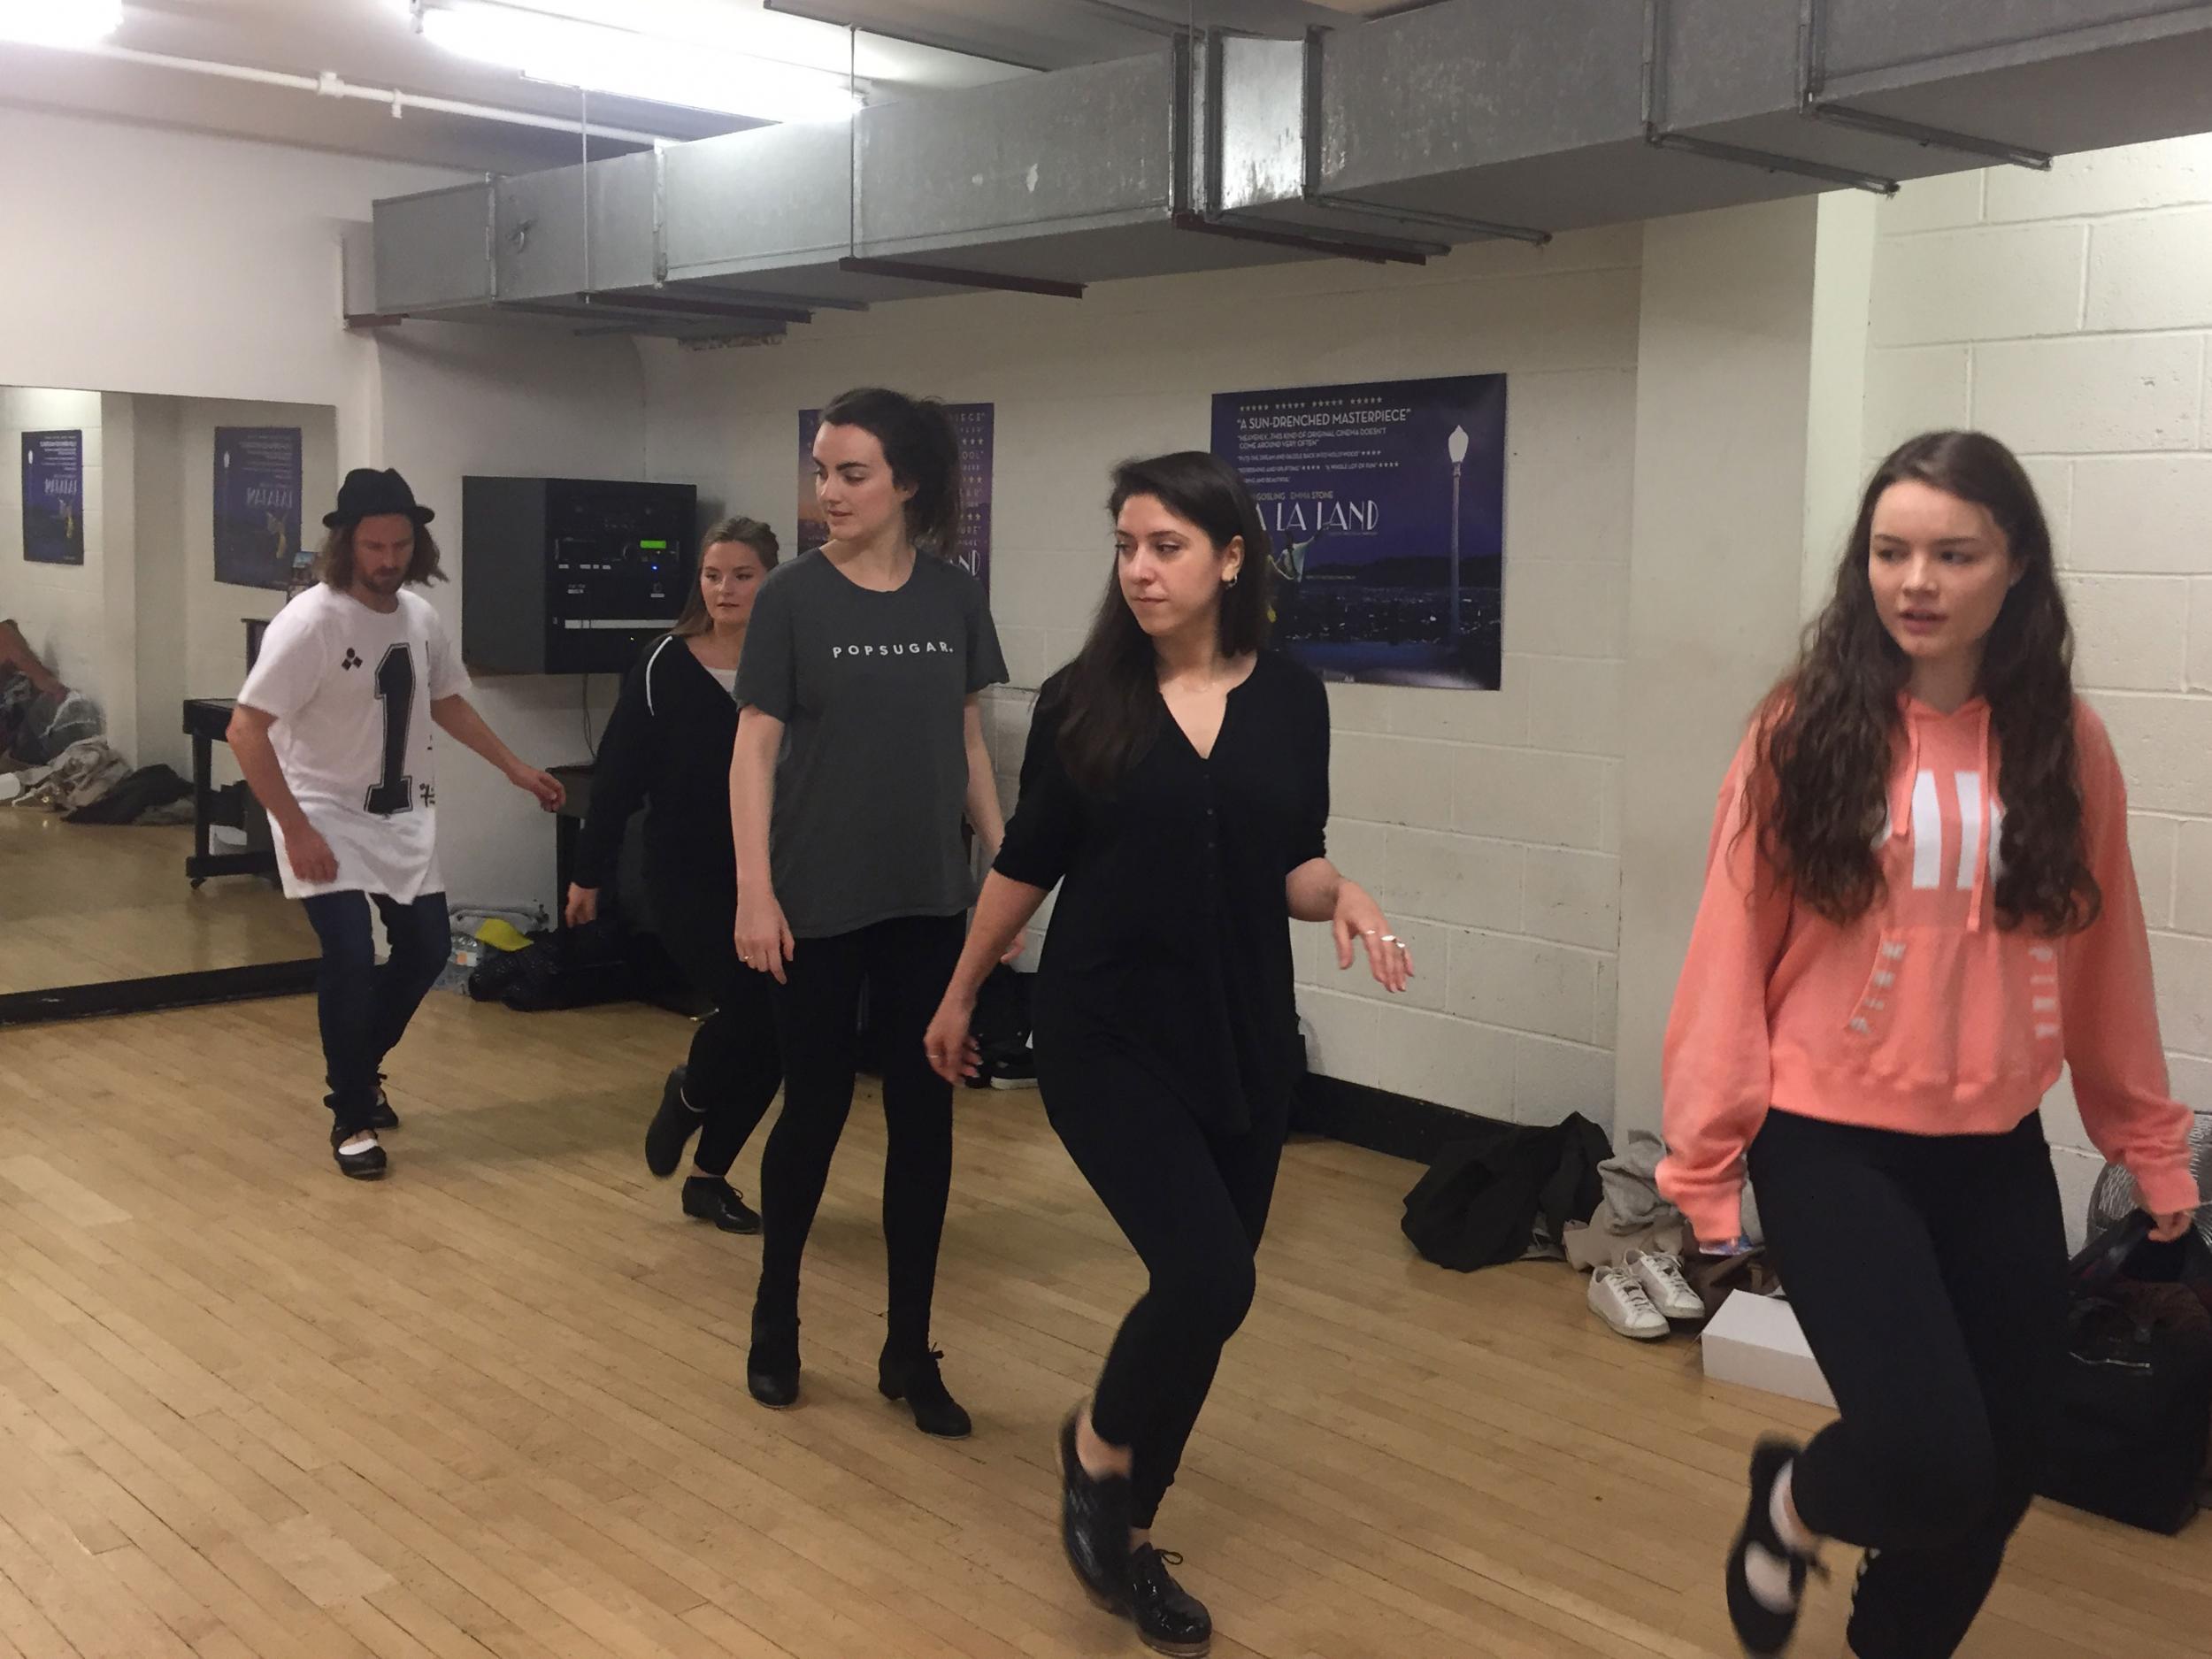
(328, 85)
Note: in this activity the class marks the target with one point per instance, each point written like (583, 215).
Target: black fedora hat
(367, 493)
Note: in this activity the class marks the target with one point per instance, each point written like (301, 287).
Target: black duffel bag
(2133, 1425)
(1502, 1192)
(573, 967)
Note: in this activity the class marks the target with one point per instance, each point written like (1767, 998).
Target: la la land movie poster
(1387, 506)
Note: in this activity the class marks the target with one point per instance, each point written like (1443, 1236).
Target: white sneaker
(1661, 1276)
(1617, 1299)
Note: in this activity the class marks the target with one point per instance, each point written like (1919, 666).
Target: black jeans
(1929, 1274)
(362, 1007)
(1193, 1203)
(905, 965)
(736, 1066)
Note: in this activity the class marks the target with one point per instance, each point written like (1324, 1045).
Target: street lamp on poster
(1455, 446)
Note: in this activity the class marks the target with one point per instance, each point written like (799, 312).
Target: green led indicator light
(654, 547)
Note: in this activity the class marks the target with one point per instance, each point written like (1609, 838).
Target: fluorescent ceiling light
(625, 63)
(60, 22)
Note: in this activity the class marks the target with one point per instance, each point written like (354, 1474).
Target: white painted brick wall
(2155, 844)
(2142, 514)
(1531, 795)
(1502, 718)
(2200, 634)
(1983, 283)
(2192, 1081)
(2150, 272)
(1487, 822)
(1573, 898)
(2193, 877)
(2111, 412)
(2132, 632)
(1912, 389)
(2183, 965)
(2107, 393)
(1458, 879)
(1945, 201)
(2165, 748)
(1451, 1061)
(2130, 179)
(1523, 984)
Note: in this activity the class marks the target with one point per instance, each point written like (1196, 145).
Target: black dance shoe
(367, 1164)
(771, 1365)
(921, 1385)
(1169, 1618)
(710, 1198)
(1094, 1525)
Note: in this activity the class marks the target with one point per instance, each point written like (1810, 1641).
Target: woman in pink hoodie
(1919, 905)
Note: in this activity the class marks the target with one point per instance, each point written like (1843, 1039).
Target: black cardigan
(668, 743)
(1171, 938)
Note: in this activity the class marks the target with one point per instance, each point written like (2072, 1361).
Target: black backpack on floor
(1502, 1190)
(2133, 1425)
(573, 967)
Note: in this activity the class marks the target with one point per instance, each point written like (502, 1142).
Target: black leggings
(362, 1007)
(1929, 1274)
(905, 965)
(1193, 1203)
(735, 1067)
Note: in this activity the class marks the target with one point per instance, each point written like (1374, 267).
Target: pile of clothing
(1507, 1193)
(36, 726)
(89, 782)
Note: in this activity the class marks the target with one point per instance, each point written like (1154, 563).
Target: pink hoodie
(1922, 1015)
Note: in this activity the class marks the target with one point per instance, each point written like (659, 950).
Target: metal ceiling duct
(1043, 183)
(1060, 35)
(1519, 116)
(1393, 139)
(1040, 184)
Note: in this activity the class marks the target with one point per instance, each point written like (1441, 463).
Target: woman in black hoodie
(668, 744)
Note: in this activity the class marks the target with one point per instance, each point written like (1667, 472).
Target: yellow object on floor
(501, 936)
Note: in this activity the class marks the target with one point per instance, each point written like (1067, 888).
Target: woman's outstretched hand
(1359, 917)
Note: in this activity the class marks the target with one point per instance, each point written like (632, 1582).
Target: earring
(1232, 582)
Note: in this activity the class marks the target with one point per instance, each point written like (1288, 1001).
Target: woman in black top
(860, 747)
(1176, 788)
(668, 743)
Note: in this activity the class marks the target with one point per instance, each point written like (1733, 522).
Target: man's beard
(388, 583)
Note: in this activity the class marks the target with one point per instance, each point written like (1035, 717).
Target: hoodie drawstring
(1900, 822)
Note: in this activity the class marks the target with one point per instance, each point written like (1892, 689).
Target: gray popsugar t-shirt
(873, 782)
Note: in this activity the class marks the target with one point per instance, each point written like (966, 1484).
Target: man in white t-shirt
(333, 731)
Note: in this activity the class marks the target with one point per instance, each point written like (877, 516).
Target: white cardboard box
(1755, 1342)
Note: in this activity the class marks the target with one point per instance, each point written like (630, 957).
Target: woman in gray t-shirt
(859, 749)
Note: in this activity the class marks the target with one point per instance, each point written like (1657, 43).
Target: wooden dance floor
(497, 1404)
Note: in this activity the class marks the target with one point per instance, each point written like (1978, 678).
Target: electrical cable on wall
(591, 748)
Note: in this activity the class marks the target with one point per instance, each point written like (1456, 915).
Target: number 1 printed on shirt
(395, 792)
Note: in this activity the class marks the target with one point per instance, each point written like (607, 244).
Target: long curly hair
(1826, 736)
(335, 563)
